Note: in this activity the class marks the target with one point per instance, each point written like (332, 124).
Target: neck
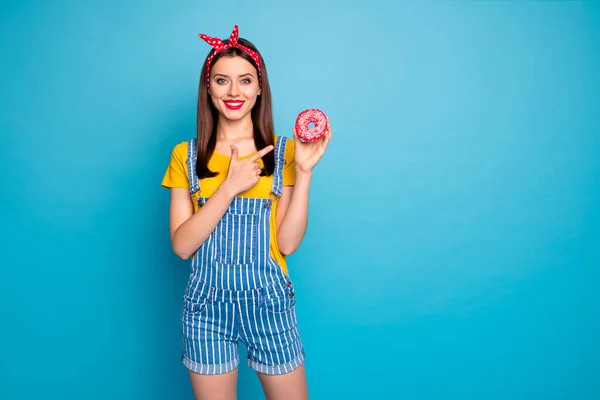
(233, 130)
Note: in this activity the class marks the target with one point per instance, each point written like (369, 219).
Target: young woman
(239, 206)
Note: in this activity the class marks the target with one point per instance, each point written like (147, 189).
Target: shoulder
(182, 147)
(288, 162)
(179, 154)
(176, 175)
(180, 150)
(289, 146)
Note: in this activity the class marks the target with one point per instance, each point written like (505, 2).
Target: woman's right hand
(243, 175)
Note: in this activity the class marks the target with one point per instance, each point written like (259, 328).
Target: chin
(235, 115)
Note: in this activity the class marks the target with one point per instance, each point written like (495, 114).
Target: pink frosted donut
(306, 133)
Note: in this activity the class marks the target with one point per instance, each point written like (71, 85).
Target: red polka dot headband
(219, 46)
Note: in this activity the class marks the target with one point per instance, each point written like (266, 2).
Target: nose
(233, 90)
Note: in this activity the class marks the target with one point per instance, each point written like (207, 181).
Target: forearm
(191, 234)
(294, 223)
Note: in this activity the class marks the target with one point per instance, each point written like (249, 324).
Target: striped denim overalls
(237, 291)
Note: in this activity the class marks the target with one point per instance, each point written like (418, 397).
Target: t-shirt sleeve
(289, 171)
(176, 174)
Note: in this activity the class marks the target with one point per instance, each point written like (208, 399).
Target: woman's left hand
(308, 154)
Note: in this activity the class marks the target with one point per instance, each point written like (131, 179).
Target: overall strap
(191, 164)
(279, 165)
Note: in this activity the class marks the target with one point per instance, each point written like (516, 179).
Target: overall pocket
(236, 241)
(195, 306)
(280, 300)
(196, 300)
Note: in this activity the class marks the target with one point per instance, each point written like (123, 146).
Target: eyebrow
(227, 76)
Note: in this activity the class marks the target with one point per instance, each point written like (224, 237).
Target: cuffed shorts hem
(211, 369)
(278, 369)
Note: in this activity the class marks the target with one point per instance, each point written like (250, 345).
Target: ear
(259, 91)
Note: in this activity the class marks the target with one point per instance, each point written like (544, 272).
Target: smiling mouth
(234, 105)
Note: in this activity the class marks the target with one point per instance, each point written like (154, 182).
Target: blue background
(453, 246)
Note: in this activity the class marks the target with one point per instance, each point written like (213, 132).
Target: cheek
(215, 94)
(251, 93)
(214, 99)
(217, 90)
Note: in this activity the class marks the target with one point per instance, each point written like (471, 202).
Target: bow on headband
(219, 46)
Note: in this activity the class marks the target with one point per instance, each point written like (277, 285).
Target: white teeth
(234, 104)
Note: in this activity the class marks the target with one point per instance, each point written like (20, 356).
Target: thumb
(234, 155)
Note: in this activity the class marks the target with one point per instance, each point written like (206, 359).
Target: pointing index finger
(261, 153)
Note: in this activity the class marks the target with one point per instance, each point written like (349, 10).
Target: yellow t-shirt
(177, 176)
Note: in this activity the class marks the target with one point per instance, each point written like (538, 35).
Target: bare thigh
(290, 386)
(214, 387)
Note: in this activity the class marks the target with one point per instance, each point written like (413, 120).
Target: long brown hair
(208, 116)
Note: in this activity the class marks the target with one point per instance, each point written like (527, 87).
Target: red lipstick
(233, 104)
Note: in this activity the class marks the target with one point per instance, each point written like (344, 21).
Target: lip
(233, 104)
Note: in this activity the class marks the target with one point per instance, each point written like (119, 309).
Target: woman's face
(233, 87)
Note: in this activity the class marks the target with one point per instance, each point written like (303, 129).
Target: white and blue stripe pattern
(191, 164)
(279, 164)
(238, 292)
